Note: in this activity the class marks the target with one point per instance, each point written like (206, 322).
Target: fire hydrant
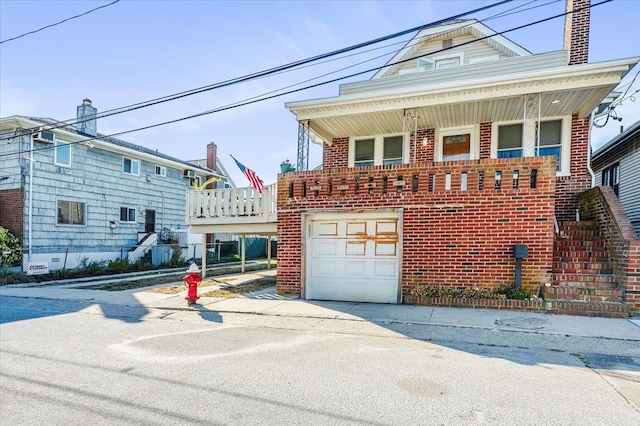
(192, 279)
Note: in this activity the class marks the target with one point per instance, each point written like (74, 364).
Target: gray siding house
(617, 164)
(72, 194)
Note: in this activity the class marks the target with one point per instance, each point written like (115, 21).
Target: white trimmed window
(161, 171)
(377, 151)
(71, 213)
(127, 214)
(131, 166)
(554, 139)
(459, 143)
(62, 153)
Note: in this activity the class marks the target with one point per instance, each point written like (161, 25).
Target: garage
(353, 258)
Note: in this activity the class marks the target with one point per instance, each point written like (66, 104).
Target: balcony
(236, 211)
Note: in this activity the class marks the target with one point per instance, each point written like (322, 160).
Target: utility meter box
(520, 251)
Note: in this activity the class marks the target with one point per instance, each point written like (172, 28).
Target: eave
(578, 90)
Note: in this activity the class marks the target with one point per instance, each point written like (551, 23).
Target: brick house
(461, 147)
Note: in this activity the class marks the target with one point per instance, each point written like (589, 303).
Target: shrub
(510, 292)
(7, 276)
(118, 266)
(10, 248)
(504, 291)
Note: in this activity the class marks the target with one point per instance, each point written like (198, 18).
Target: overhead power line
(270, 71)
(60, 22)
(264, 98)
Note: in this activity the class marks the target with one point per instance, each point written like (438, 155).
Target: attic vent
(447, 43)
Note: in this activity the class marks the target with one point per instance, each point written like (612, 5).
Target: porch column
(530, 133)
(204, 255)
(269, 252)
(243, 250)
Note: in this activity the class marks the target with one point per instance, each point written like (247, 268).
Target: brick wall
(576, 31)
(11, 211)
(451, 237)
(336, 154)
(485, 140)
(602, 205)
(569, 187)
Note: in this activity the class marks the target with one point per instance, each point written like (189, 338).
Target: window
(611, 177)
(62, 154)
(161, 171)
(551, 139)
(131, 166)
(127, 214)
(392, 147)
(364, 153)
(379, 150)
(510, 142)
(447, 63)
(71, 213)
(195, 181)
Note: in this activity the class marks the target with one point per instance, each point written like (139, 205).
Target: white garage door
(354, 259)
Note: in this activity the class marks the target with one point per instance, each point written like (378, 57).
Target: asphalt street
(80, 362)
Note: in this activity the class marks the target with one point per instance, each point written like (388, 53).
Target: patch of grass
(229, 292)
(182, 287)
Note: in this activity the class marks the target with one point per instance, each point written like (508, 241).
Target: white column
(242, 253)
(204, 255)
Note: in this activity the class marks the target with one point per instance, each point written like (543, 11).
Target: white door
(353, 259)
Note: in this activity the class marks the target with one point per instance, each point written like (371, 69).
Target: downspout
(593, 175)
(30, 194)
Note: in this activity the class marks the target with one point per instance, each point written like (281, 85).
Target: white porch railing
(232, 203)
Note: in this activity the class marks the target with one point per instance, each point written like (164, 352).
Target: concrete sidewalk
(267, 302)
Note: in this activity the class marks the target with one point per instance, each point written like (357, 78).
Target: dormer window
(448, 62)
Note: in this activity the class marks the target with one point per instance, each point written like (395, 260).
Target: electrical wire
(60, 22)
(276, 70)
(270, 71)
(264, 98)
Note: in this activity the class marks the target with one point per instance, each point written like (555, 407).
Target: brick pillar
(11, 211)
(576, 31)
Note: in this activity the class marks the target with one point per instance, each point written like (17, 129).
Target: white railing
(239, 202)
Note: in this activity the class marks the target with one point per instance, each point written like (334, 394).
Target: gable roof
(618, 142)
(449, 30)
(110, 143)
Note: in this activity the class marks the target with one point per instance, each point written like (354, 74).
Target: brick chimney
(86, 115)
(212, 154)
(576, 31)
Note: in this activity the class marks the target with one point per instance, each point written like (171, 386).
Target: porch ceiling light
(555, 101)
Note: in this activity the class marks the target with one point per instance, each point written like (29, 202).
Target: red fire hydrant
(192, 279)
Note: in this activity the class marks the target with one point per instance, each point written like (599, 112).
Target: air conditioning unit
(189, 174)
(44, 137)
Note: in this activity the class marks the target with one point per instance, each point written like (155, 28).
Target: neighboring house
(617, 164)
(464, 146)
(87, 195)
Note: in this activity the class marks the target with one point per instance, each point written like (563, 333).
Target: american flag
(255, 181)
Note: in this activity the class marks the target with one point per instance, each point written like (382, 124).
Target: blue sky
(135, 51)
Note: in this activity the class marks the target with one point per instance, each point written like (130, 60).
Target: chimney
(86, 119)
(576, 31)
(212, 155)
